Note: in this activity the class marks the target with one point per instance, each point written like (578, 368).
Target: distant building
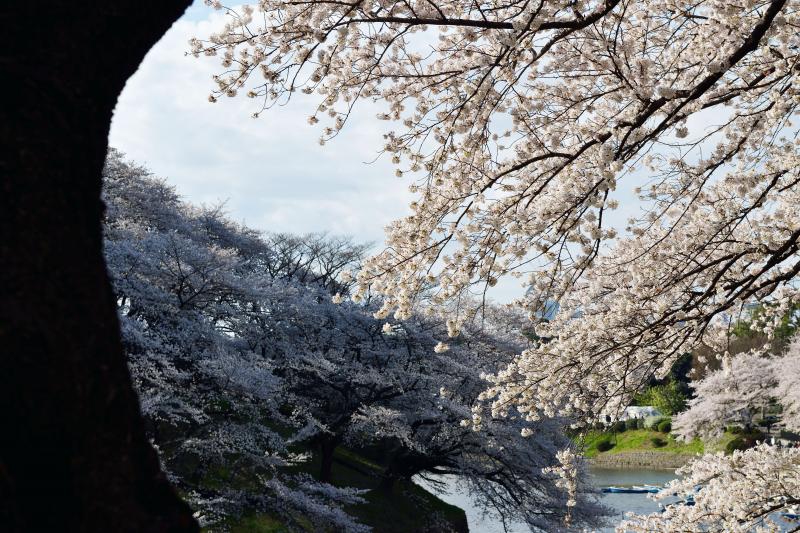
(644, 412)
(640, 411)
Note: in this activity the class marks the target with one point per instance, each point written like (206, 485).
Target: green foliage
(754, 435)
(408, 507)
(736, 444)
(618, 426)
(631, 424)
(785, 330)
(746, 439)
(664, 426)
(652, 422)
(604, 445)
(658, 442)
(679, 373)
(257, 523)
(668, 398)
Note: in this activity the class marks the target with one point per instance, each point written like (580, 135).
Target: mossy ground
(257, 523)
(407, 507)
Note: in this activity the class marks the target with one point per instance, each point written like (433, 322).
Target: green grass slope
(639, 440)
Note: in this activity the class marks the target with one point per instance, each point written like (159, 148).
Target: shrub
(652, 422)
(658, 442)
(734, 429)
(604, 445)
(753, 436)
(664, 426)
(631, 423)
(618, 426)
(736, 444)
(748, 439)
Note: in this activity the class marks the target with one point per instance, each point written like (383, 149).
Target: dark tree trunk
(388, 481)
(326, 448)
(73, 452)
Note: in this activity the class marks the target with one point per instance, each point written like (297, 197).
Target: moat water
(601, 477)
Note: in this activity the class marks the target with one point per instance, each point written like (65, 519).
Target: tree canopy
(245, 365)
(518, 121)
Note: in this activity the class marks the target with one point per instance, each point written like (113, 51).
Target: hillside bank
(639, 448)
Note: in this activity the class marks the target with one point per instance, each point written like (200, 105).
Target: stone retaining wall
(642, 459)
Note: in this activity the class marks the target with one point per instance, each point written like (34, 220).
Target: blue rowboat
(624, 490)
(652, 489)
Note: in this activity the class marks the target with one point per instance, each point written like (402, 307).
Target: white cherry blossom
(517, 122)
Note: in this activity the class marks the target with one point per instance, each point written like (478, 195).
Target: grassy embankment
(637, 440)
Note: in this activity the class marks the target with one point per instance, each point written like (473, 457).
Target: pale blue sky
(271, 171)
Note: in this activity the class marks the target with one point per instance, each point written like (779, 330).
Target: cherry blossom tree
(514, 470)
(350, 379)
(184, 277)
(239, 358)
(748, 490)
(334, 360)
(745, 384)
(787, 391)
(315, 259)
(740, 493)
(518, 121)
(731, 395)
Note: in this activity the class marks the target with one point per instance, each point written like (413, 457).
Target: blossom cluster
(741, 493)
(518, 122)
(748, 490)
(745, 385)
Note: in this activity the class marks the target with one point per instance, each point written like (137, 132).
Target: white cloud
(271, 171)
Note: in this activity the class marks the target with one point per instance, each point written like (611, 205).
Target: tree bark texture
(73, 451)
